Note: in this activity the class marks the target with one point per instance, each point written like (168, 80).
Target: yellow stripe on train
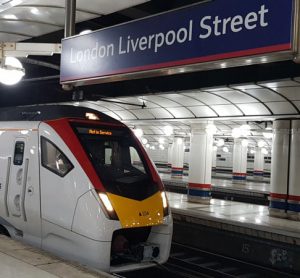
(133, 213)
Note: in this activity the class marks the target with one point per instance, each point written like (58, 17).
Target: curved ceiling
(271, 99)
(25, 19)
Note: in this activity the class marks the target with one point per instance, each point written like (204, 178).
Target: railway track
(188, 262)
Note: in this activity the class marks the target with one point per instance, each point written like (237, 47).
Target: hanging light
(11, 71)
(144, 141)
(138, 132)
(252, 151)
(245, 143)
(261, 144)
(225, 150)
(268, 135)
(236, 133)
(245, 130)
(179, 141)
(168, 130)
(161, 140)
(264, 151)
(211, 129)
(161, 147)
(220, 142)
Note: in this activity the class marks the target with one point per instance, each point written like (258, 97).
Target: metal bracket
(20, 49)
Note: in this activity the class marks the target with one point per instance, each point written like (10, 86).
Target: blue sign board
(199, 33)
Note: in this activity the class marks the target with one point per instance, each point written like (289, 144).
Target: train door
(23, 193)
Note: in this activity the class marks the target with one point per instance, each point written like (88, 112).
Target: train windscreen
(118, 161)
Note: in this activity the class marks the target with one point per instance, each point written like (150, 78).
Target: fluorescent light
(10, 16)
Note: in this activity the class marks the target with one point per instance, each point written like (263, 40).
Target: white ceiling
(267, 99)
(20, 20)
(229, 107)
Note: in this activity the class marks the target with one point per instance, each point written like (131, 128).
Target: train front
(131, 196)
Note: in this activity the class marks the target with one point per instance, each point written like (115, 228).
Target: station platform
(248, 191)
(20, 260)
(244, 231)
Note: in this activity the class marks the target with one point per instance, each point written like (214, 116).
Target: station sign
(201, 36)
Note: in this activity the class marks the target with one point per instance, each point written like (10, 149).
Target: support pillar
(239, 169)
(170, 150)
(214, 159)
(280, 168)
(293, 206)
(259, 163)
(199, 188)
(177, 157)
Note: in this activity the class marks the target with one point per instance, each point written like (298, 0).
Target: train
(79, 184)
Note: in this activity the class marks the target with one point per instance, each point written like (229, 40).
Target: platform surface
(254, 217)
(253, 186)
(20, 260)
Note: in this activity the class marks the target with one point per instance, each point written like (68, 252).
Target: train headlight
(165, 203)
(108, 206)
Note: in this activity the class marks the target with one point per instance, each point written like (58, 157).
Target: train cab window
(54, 159)
(108, 153)
(19, 153)
(118, 160)
(136, 160)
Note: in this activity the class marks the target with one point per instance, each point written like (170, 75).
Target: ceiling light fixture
(34, 11)
(225, 150)
(220, 142)
(11, 71)
(138, 132)
(84, 32)
(168, 130)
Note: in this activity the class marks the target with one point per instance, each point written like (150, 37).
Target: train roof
(50, 112)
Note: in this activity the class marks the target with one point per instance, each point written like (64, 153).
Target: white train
(84, 190)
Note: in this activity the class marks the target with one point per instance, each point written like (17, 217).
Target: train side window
(54, 159)
(19, 153)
